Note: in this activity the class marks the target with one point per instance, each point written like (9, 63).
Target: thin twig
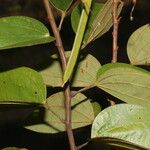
(116, 21)
(67, 92)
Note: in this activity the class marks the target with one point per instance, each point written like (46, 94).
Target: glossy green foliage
(20, 31)
(102, 22)
(85, 72)
(14, 148)
(126, 82)
(61, 5)
(75, 17)
(138, 46)
(22, 85)
(124, 121)
(55, 114)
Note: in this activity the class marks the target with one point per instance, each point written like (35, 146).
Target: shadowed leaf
(22, 85)
(85, 73)
(55, 115)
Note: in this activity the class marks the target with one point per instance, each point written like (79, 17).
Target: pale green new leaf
(138, 46)
(124, 121)
(85, 73)
(102, 22)
(22, 85)
(20, 31)
(126, 82)
(55, 115)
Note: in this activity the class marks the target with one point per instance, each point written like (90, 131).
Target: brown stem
(115, 30)
(67, 92)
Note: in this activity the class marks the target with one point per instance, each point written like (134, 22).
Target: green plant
(123, 125)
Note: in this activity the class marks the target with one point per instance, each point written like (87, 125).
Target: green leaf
(76, 13)
(102, 22)
(22, 85)
(14, 148)
(77, 41)
(138, 46)
(125, 121)
(62, 5)
(126, 82)
(85, 72)
(96, 107)
(117, 144)
(55, 115)
(20, 31)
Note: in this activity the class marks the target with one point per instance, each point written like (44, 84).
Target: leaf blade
(138, 46)
(125, 82)
(22, 85)
(56, 114)
(124, 121)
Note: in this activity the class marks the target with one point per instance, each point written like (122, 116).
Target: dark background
(11, 133)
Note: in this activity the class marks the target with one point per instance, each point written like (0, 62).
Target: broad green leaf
(14, 148)
(62, 5)
(75, 17)
(56, 114)
(102, 22)
(85, 73)
(22, 85)
(124, 121)
(118, 144)
(126, 82)
(20, 31)
(138, 46)
(77, 41)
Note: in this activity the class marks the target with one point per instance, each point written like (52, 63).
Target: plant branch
(67, 92)
(116, 21)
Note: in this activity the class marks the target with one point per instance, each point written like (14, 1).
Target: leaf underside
(55, 115)
(124, 121)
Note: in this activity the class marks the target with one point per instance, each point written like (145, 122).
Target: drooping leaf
(75, 17)
(22, 85)
(85, 73)
(138, 46)
(14, 148)
(124, 121)
(20, 31)
(117, 144)
(126, 82)
(62, 5)
(77, 41)
(102, 22)
(55, 115)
